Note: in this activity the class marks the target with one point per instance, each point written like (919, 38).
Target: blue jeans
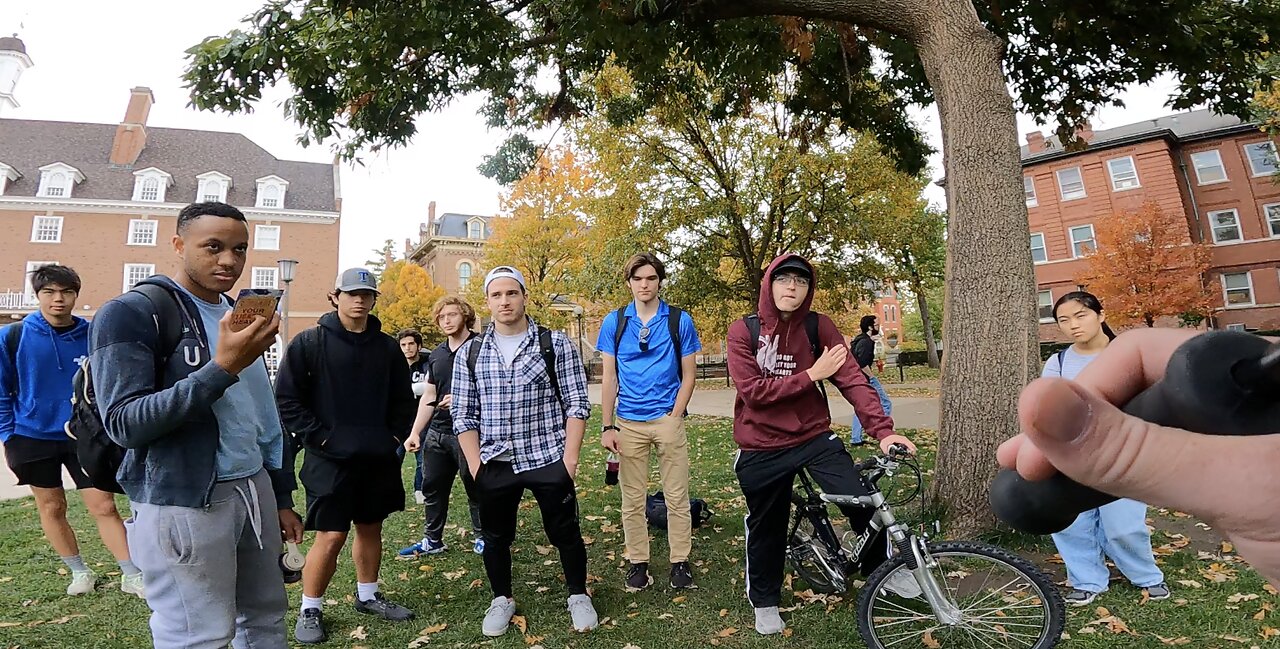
(856, 438)
(1119, 530)
(417, 472)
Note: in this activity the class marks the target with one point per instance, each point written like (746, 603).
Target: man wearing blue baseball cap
(520, 409)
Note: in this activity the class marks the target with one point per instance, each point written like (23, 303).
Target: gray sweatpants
(212, 575)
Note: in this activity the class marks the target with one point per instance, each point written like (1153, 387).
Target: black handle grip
(1219, 383)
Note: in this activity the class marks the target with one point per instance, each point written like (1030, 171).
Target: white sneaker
(903, 584)
(768, 622)
(583, 613)
(498, 617)
(132, 584)
(419, 498)
(82, 583)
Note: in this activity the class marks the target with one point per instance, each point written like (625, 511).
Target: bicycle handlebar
(1219, 383)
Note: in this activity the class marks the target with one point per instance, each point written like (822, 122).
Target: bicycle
(939, 593)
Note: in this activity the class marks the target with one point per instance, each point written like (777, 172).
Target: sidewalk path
(908, 412)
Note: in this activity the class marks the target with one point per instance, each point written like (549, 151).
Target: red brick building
(1216, 170)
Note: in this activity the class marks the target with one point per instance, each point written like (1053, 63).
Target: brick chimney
(131, 134)
(1035, 142)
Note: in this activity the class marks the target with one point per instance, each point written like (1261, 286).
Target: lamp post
(577, 312)
(286, 266)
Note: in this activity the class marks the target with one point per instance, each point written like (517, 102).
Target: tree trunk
(930, 345)
(990, 326)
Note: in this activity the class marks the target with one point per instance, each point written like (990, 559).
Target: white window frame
(464, 281)
(275, 277)
(259, 230)
(1122, 182)
(1029, 191)
(149, 269)
(140, 226)
(7, 175)
(29, 293)
(1040, 299)
(38, 220)
(1062, 190)
(1043, 246)
(1226, 292)
(1271, 212)
(280, 187)
(210, 181)
(1213, 225)
(1236, 326)
(478, 226)
(1071, 234)
(1199, 167)
(70, 176)
(1275, 162)
(148, 180)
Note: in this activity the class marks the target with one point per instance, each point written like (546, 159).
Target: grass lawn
(1219, 601)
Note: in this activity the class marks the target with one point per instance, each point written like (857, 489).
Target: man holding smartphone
(201, 435)
(344, 388)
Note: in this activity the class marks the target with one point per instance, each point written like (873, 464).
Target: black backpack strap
(673, 329)
(753, 329)
(473, 356)
(811, 330)
(12, 338)
(619, 326)
(1062, 354)
(548, 350)
(168, 319)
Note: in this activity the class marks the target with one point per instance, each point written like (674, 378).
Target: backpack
(545, 347)
(99, 456)
(810, 328)
(673, 329)
(12, 338)
(655, 511)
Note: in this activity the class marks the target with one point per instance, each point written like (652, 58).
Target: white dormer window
(7, 175)
(271, 191)
(57, 180)
(475, 229)
(150, 184)
(213, 187)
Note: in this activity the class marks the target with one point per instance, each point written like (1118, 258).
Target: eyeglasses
(644, 339)
(787, 280)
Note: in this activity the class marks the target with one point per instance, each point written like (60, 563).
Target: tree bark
(926, 319)
(990, 326)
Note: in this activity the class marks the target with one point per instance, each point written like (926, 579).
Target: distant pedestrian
(864, 351)
(411, 346)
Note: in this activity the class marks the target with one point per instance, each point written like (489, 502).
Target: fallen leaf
(1190, 584)
(1242, 597)
(5, 625)
(1270, 589)
(1268, 632)
(929, 640)
(666, 616)
(724, 633)
(532, 639)
(679, 600)
(520, 623)
(1228, 547)
(1235, 638)
(542, 549)
(724, 612)
(476, 583)
(1174, 641)
(786, 633)
(451, 576)
(435, 628)
(359, 634)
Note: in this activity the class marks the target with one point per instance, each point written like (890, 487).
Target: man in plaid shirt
(518, 432)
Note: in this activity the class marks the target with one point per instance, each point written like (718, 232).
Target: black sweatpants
(766, 478)
(500, 491)
(442, 460)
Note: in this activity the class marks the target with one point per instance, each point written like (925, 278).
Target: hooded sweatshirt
(46, 362)
(778, 406)
(358, 402)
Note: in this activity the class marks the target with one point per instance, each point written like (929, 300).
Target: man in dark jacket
(782, 423)
(201, 434)
(419, 372)
(864, 351)
(344, 389)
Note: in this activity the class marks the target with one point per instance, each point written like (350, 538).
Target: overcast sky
(89, 53)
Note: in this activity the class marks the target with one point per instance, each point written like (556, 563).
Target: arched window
(475, 230)
(464, 274)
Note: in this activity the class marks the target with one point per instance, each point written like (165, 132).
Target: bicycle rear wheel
(814, 562)
(1004, 602)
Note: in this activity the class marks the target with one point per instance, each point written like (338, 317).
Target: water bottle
(611, 470)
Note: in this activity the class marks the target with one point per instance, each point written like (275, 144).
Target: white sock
(365, 592)
(312, 602)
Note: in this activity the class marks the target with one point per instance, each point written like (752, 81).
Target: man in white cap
(520, 409)
(345, 391)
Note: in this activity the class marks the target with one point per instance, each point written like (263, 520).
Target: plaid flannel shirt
(514, 407)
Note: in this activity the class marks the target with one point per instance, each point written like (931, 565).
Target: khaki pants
(634, 440)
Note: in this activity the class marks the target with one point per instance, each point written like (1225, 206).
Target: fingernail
(1064, 414)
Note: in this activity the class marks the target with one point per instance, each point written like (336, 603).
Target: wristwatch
(612, 428)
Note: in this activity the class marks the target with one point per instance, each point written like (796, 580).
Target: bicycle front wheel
(1003, 601)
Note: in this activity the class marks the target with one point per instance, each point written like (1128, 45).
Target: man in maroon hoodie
(782, 424)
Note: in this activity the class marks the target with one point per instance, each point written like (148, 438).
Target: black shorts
(342, 492)
(38, 462)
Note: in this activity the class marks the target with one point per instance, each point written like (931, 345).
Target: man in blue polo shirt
(647, 382)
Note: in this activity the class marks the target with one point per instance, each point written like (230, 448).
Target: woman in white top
(1117, 530)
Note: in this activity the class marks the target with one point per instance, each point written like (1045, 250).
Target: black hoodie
(358, 402)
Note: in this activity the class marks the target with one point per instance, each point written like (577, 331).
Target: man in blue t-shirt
(646, 387)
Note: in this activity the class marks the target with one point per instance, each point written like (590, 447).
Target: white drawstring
(255, 511)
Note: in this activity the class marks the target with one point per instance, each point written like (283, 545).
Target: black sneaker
(383, 608)
(638, 577)
(310, 627)
(681, 575)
